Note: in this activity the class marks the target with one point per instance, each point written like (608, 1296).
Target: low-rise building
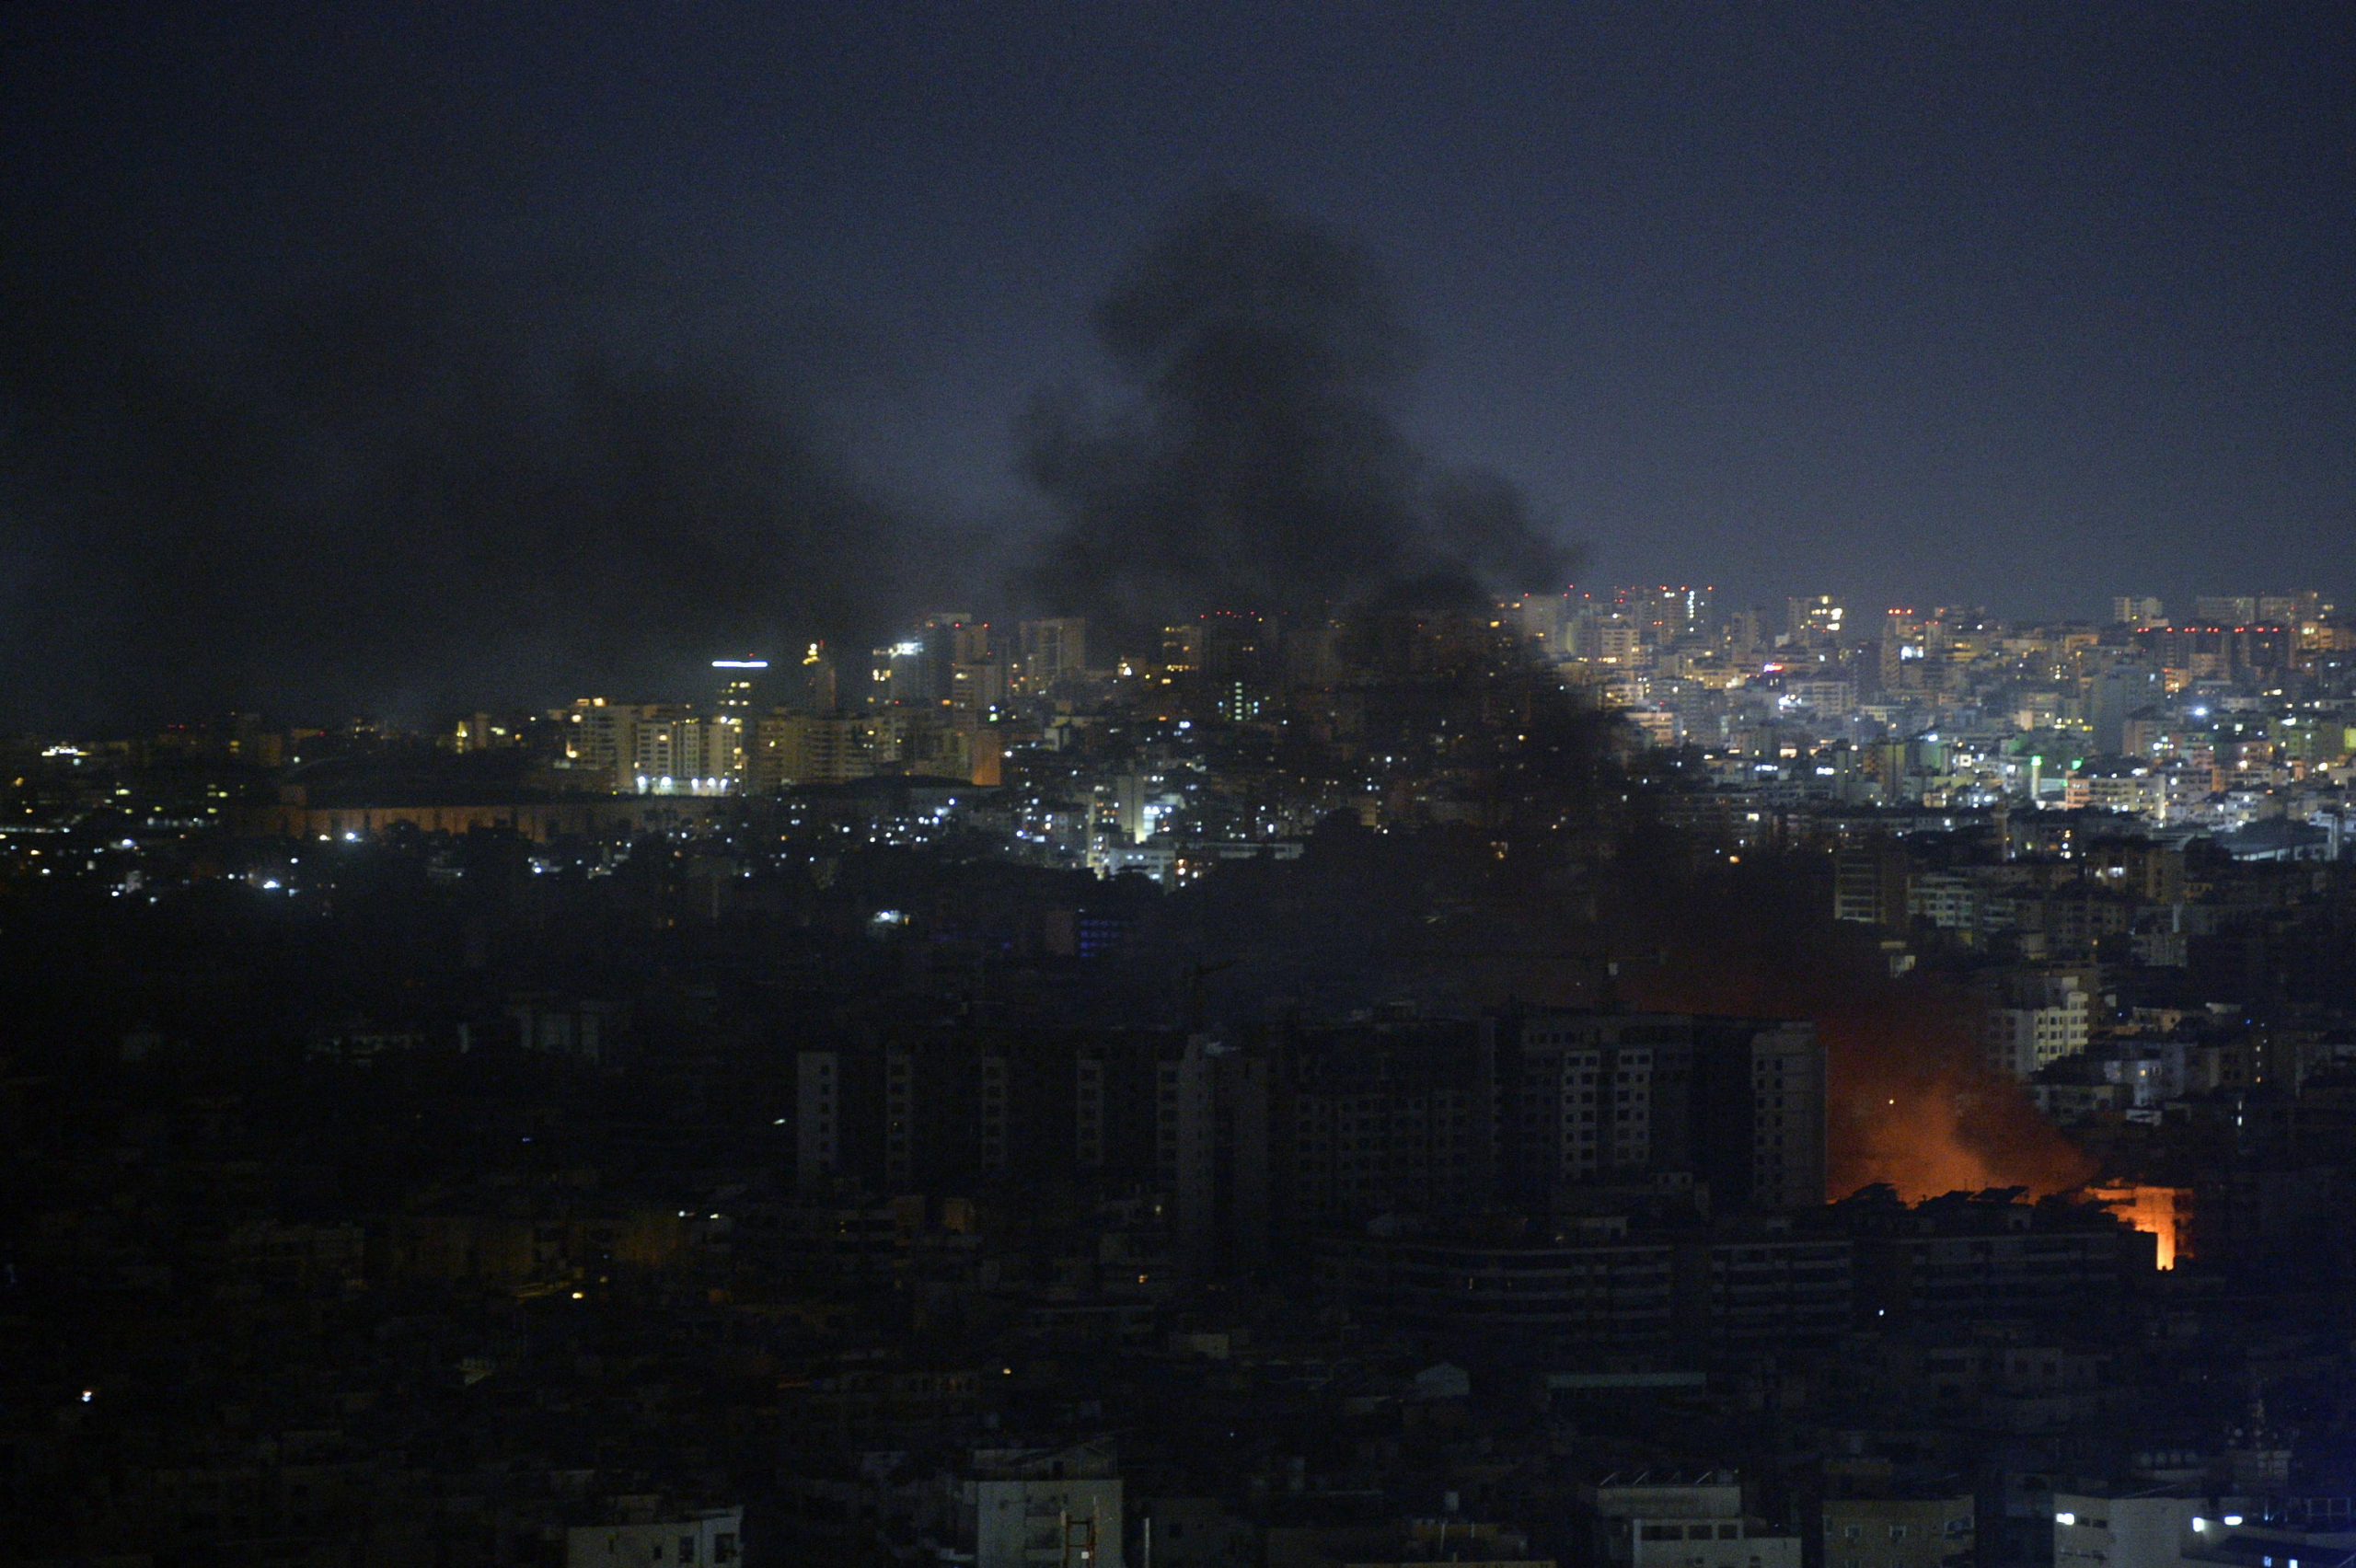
(1668, 1520)
(2156, 1529)
(1037, 1507)
(699, 1538)
(1898, 1532)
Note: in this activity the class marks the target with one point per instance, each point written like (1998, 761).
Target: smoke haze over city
(978, 784)
(360, 366)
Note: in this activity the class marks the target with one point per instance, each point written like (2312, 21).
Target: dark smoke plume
(1909, 1101)
(408, 486)
(1434, 918)
(1260, 468)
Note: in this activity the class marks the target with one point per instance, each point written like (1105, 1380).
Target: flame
(2155, 1211)
(1906, 1100)
(1908, 1103)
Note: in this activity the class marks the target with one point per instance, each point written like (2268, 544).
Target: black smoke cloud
(405, 486)
(1259, 467)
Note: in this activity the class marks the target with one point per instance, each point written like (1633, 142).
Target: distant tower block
(1053, 649)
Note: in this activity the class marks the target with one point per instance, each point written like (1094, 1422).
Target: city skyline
(1563, 630)
(1319, 784)
(2008, 304)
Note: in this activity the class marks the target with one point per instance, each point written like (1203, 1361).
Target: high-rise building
(831, 751)
(739, 682)
(1737, 1103)
(929, 674)
(896, 673)
(2129, 609)
(1309, 1129)
(601, 740)
(1814, 620)
(964, 640)
(1239, 672)
(2115, 693)
(1905, 651)
(1053, 649)
(977, 687)
(806, 748)
(955, 1106)
(1385, 1116)
(1747, 633)
(2291, 609)
(810, 686)
(1181, 647)
(1612, 639)
(1869, 884)
(1665, 614)
(673, 754)
(2219, 651)
(2039, 1017)
(2225, 609)
(1235, 644)
(1537, 618)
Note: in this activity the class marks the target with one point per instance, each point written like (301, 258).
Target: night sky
(385, 356)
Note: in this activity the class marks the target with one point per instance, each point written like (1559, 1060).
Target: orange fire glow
(2157, 1211)
(1908, 1101)
(1909, 1104)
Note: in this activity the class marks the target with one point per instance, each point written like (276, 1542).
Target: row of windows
(1316, 1166)
(1900, 1532)
(1694, 1532)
